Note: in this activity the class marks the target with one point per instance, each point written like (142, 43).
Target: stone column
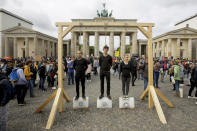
(6, 47)
(48, 49)
(189, 49)
(178, 48)
(73, 44)
(157, 49)
(15, 48)
(77, 43)
(85, 41)
(68, 48)
(35, 46)
(162, 49)
(87, 46)
(123, 40)
(153, 45)
(111, 44)
(140, 50)
(96, 46)
(26, 47)
(169, 46)
(53, 49)
(134, 43)
(43, 48)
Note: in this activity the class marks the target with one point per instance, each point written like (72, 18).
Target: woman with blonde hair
(125, 70)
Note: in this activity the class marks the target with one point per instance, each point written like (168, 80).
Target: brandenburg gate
(96, 31)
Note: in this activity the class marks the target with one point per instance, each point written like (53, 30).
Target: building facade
(10, 20)
(179, 43)
(18, 39)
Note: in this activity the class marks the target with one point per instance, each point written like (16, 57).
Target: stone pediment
(19, 30)
(184, 31)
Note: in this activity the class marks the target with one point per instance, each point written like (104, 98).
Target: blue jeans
(145, 83)
(70, 77)
(156, 79)
(30, 86)
(177, 83)
(42, 81)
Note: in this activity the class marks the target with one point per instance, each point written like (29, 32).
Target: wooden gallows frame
(60, 93)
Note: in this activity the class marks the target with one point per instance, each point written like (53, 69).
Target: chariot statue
(104, 12)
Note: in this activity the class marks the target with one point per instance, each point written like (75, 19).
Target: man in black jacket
(105, 62)
(5, 96)
(133, 70)
(80, 65)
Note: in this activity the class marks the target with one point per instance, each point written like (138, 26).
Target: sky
(44, 13)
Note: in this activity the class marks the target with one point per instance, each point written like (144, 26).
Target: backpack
(14, 76)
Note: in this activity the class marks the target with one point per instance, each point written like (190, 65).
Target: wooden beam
(164, 98)
(103, 24)
(150, 57)
(65, 32)
(46, 102)
(60, 64)
(143, 31)
(66, 96)
(54, 108)
(157, 105)
(150, 100)
(144, 93)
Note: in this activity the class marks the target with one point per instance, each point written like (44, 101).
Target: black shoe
(101, 96)
(109, 97)
(133, 84)
(77, 97)
(84, 97)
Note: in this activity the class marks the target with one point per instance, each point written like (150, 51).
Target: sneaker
(54, 88)
(109, 97)
(101, 96)
(20, 104)
(195, 97)
(189, 97)
(77, 97)
(196, 103)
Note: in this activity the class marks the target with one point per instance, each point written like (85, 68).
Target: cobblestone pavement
(181, 118)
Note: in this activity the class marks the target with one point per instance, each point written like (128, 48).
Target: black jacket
(5, 90)
(80, 66)
(105, 63)
(125, 69)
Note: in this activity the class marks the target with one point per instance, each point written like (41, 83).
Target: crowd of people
(19, 75)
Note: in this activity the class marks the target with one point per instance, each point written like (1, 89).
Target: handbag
(172, 79)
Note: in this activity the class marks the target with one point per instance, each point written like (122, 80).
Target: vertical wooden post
(150, 57)
(60, 62)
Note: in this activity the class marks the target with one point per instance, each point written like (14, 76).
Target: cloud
(3, 2)
(44, 13)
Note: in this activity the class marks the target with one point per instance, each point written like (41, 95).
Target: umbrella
(7, 58)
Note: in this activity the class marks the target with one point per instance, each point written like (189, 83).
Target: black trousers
(134, 77)
(79, 78)
(193, 85)
(21, 91)
(102, 76)
(125, 83)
